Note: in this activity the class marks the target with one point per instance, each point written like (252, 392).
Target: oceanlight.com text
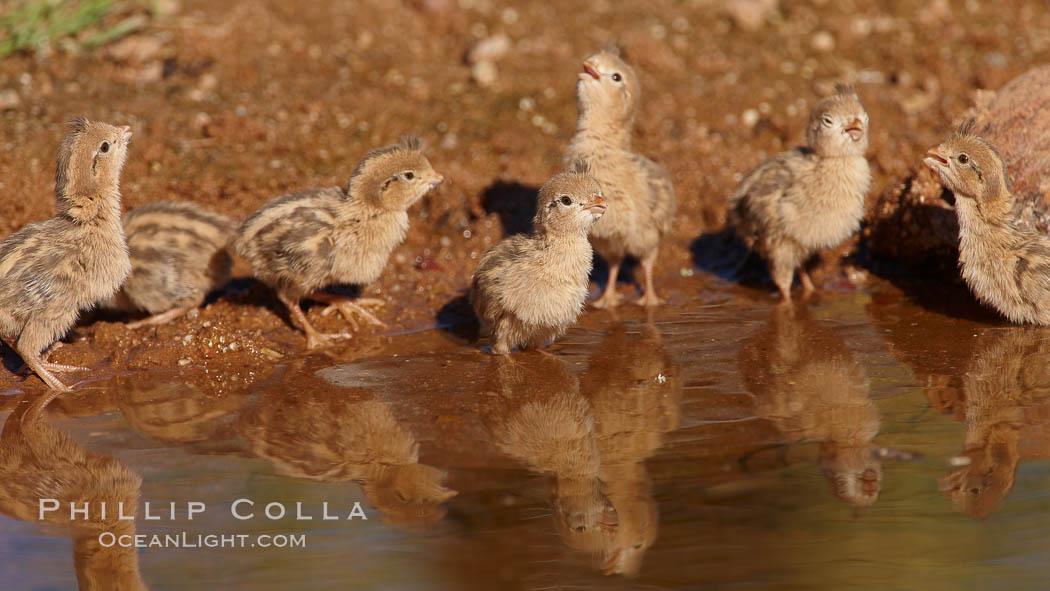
(187, 540)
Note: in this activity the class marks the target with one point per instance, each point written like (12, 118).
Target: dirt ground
(233, 103)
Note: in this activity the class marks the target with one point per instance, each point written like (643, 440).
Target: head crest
(967, 127)
(845, 90)
(580, 166)
(410, 142)
(406, 142)
(77, 124)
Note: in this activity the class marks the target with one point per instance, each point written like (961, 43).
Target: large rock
(913, 221)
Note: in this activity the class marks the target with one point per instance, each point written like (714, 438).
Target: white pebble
(750, 117)
(822, 41)
(484, 73)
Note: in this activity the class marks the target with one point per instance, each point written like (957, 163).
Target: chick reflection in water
(809, 385)
(342, 436)
(186, 411)
(1007, 414)
(542, 421)
(37, 462)
(635, 394)
(592, 436)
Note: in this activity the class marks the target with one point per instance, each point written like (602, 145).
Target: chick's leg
(314, 338)
(807, 283)
(158, 319)
(57, 367)
(501, 341)
(30, 343)
(610, 298)
(347, 307)
(649, 298)
(783, 274)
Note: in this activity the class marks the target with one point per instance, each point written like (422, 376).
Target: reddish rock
(1017, 121)
(913, 221)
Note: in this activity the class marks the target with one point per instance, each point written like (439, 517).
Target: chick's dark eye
(566, 200)
(409, 175)
(828, 120)
(104, 147)
(964, 159)
(617, 77)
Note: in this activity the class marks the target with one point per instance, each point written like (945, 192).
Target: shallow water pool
(860, 441)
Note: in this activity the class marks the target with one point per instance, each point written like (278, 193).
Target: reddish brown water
(861, 441)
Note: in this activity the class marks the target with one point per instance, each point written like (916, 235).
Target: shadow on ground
(457, 320)
(722, 254)
(514, 203)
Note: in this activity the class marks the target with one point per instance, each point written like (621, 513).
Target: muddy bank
(234, 103)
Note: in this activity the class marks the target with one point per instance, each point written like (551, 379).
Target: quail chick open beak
(590, 70)
(125, 134)
(435, 180)
(855, 129)
(596, 206)
(936, 160)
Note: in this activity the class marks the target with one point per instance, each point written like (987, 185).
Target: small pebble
(750, 118)
(9, 99)
(491, 49)
(484, 73)
(822, 41)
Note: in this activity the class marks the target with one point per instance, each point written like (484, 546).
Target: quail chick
(1006, 267)
(641, 199)
(809, 198)
(530, 289)
(51, 270)
(301, 243)
(178, 256)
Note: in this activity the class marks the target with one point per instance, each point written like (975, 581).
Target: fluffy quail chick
(304, 242)
(809, 198)
(51, 270)
(178, 256)
(530, 289)
(1007, 267)
(640, 195)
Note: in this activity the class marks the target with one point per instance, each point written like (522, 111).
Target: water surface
(855, 442)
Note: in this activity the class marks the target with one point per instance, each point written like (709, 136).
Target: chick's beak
(855, 129)
(935, 159)
(590, 69)
(595, 206)
(125, 134)
(435, 180)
